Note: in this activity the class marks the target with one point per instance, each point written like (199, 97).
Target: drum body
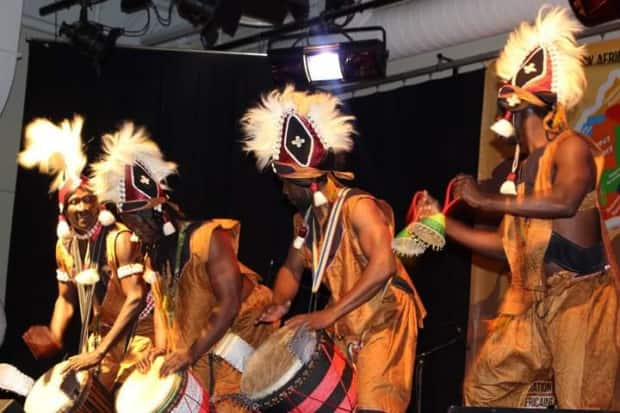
(299, 371)
(148, 393)
(79, 392)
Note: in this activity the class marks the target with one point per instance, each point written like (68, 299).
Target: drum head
(147, 392)
(277, 361)
(54, 392)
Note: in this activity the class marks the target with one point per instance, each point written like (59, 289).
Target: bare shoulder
(573, 146)
(365, 211)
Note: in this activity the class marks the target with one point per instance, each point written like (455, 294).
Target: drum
(78, 392)
(299, 371)
(181, 392)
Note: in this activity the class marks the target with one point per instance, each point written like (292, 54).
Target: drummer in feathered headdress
(343, 235)
(97, 262)
(206, 300)
(551, 234)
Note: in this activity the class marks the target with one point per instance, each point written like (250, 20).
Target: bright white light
(322, 66)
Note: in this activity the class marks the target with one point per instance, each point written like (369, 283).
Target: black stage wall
(412, 138)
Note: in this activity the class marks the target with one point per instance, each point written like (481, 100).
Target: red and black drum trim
(325, 384)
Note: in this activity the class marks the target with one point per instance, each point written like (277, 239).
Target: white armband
(234, 350)
(129, 269)
(62, 276)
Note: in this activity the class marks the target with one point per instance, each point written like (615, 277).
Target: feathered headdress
(57, 150)
(541, 65)
(132, 171)
(297, 132)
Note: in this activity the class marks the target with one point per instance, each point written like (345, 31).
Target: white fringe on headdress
(55, 149)
(125, 147)
(554, 30)
(262, 125)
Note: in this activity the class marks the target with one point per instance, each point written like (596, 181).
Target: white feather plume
(554, 30)
(262, 125)
(55, 149)
(127, 146)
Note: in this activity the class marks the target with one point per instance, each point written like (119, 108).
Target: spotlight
(91, 40)
(322, 64)
(595, 12)
(350, 61)
(197, 12)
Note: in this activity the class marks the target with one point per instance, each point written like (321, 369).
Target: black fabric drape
(415, 138)
(412, 138)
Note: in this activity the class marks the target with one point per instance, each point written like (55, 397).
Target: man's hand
(274, 313)
(41, 342)
(83, 361)
(314, 321)
(144, 363)
(466, 188)
(178, 360)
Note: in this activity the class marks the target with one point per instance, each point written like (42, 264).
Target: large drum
(78, 392)
(148, 393)
(299, 371)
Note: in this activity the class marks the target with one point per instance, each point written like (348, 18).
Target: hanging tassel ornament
(134, 237)
(302, 232)
(509, 187)
(106, 218)
(318, 197)
(299, 240)
(168, 226)
(62, 229)
(504, 126)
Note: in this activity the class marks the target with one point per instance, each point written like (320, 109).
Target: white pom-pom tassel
(62, 229)
(106, 218)
(169, 228)
(318, 197)
(503, 128)
(508, 187)
(134, 237)
(298, 242)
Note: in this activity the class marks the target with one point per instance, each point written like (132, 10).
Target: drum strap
(233, 349)
(319, 261)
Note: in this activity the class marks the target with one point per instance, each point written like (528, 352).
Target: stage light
(91, 39)
(197, 12)
(351, 61)
(322, 66)
(595, 12)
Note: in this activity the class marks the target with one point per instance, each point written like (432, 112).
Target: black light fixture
(225, 15)
(325, 62)
(91, 39)
(594, 12)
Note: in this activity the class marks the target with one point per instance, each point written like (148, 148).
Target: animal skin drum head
(277, 361)
(146, 393)
(54, 392)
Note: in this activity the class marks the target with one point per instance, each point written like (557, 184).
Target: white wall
(10, 137)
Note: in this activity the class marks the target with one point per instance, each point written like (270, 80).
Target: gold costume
(385, 327)
(194, 302)
(561, 327)
(119, 361)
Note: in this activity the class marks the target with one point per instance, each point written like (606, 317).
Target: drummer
(93, 253)
(206, 301)
(344, 235)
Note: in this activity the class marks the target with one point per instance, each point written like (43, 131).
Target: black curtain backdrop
(413, 138)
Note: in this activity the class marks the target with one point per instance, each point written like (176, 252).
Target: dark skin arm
(575, 177)
(134, 289)
(63, 310)
(226, 281)
(482, 241)
(375, 239)
(286, 286)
